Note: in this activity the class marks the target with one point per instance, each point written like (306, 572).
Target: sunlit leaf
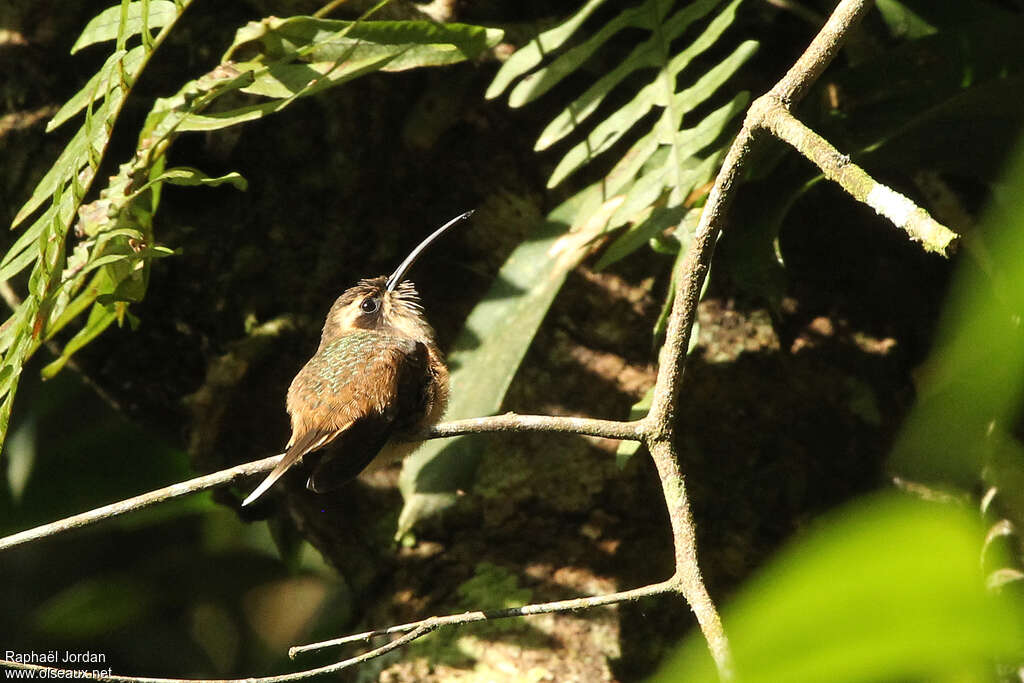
(643, 231)
(75, 156)
(400, 45)
(106, 25)
(648, 15)
(531, 54)
(130, 61)
(183, 175)
(653, 94)
(639, 410)
(100, 319)
(887, 589)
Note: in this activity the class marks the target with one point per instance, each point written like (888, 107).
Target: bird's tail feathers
(308, 442)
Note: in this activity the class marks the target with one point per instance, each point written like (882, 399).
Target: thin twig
(511, 422)
(411, 632)
(419, 632)
(490, 615)
(501, 423)
(184, 488)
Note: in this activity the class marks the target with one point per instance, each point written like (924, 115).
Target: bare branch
(509, 422)
(178, 490)
(915, 221)
(419, 632)
(490, 615)
(687, 578)
(822, 50)
(411, 632)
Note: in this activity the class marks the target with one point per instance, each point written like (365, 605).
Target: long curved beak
(401, 270)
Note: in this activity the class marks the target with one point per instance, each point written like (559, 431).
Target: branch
(510, 422)
(490, 615)
(411, 631)
(178, 490)
(915, 221)
(820, 53)
(419, 632)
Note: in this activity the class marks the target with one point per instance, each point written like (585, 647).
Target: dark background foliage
(792, 399)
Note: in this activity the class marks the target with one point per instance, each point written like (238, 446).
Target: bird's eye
(370, 305)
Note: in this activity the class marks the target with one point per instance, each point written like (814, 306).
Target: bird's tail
(309, 442)
(287, 461)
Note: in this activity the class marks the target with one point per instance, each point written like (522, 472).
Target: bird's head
(387, 304)
(370, 305)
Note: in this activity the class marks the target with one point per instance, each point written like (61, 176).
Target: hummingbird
(376, 380)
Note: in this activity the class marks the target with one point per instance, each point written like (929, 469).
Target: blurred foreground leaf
(973, 388)
(887, 589)
(93, 607)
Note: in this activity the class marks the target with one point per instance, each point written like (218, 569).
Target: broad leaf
(107, 25)
(887, 589)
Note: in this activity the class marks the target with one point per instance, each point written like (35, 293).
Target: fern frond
(670, 155)
(108, 267)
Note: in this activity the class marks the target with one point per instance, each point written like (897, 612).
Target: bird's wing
(350, 453)
(399, 380)
(361, 410)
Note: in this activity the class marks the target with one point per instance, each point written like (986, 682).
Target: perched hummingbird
(376, 380)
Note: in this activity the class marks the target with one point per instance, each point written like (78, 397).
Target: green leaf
(489, 349)
(645, 16)
(184, 175)
(662, 165)
(609, 131)
(887, 589)
(61, 190)
(94, 607)
(401, 44)
(966, 409)
(285, 81)
(97, 86)
(107, 24)
(639, 410)
(902, 21)
(634, 238)
(89, 140)
(10, 372)
(17, 263)
(652, 94)
(100, 318)
(530, 55)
